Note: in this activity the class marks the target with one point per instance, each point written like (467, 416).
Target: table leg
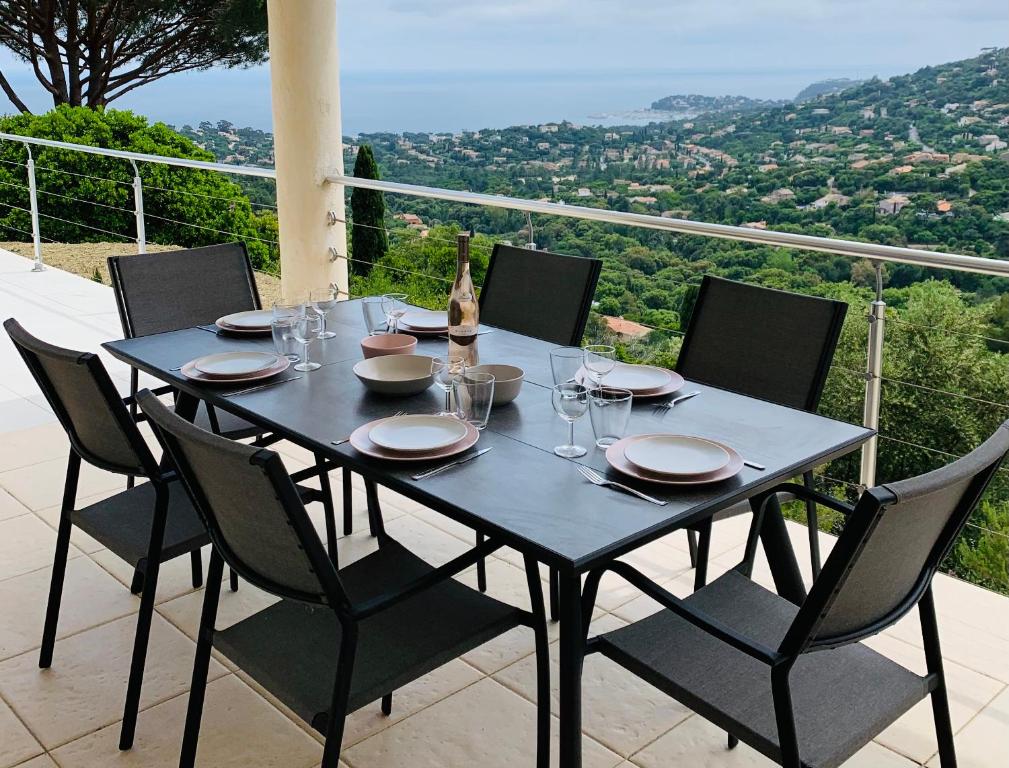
(780, 554)
(572, 651)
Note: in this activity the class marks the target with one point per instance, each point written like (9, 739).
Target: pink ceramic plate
(675, 382)
(193, 374)
(404, 328)
(360, 440)
(617, 460)
(242, 331)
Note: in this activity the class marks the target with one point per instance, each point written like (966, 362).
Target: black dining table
(521, 493)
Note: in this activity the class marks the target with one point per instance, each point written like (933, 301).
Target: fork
(663, 407)
(596, 479)
(343, 440)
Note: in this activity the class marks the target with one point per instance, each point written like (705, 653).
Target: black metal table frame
(773, 535)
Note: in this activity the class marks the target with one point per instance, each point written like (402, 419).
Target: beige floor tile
(971, 605)
(421, 693)
(424, 540)
(16, 742)
(184, 612)
(967, 645)
(699, 744)
(40, 485)
(81, 540)
(506, 649)
(984, 742)
(42, 761)
(175, 577)
(27, 544)
(873, 755)
(31, 446)
(239, 730)
(90, 597)
(913, 735)
(10, 507)
(460, 531)
(86, 686)
(483, 725)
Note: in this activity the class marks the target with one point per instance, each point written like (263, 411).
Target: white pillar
(308, 143)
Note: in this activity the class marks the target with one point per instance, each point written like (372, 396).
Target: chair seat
(122, 523)
(842, 698)
(231, 426)
(291, 648)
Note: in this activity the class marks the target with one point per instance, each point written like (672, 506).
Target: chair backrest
(890, 548)
(86, 402)
(161, 292)
(761, 342)
(250, 507)
(540, 294)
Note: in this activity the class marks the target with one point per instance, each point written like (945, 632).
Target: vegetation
(369, 242)
(89, 54)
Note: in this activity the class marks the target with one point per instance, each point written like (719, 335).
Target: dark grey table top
(520, 491)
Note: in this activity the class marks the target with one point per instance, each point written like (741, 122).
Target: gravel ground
(85, 258)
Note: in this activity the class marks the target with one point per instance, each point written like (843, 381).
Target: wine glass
(599, 359)
(565, 363)
(570, 402)
(447, 370)
(324, 301)
(305, 329)
(394, 305)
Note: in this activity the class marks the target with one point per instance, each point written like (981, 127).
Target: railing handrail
(851, 248)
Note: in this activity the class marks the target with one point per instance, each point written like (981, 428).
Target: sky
(449, 64)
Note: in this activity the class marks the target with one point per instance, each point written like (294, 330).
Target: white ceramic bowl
(507, 381)
(396, 374)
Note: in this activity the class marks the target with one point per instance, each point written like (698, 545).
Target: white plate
(417, 433)
(256, 319)
(676, 455)
(426, 321)
(636, 378)
(232, 364)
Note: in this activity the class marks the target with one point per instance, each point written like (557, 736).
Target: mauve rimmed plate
(191, 372)
(360, 440)
(676, 455)
(232, 365)
(675, 382)
(252, 320)
(617, 460)
(417, 432)
(424, 320)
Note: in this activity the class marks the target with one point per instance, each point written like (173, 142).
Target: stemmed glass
(570, 402)
(306, 328)
(599, 359)
(447, 370)
(394, 305)
(324, 301)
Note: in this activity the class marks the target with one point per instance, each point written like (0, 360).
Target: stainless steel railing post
(34, 204)
(138, 208)
(873, 380)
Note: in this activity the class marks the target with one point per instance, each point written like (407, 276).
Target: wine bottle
(463, 310)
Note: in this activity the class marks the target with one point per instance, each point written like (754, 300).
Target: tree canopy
(91, 52)
(369, 241)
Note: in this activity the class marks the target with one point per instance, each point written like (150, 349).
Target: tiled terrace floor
(476, 711)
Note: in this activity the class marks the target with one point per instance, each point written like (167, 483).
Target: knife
(443, 467)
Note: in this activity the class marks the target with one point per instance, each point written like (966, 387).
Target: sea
(455, 101)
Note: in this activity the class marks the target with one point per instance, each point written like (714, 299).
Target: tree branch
(15, 100)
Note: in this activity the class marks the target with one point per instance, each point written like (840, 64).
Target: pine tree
(369, 242)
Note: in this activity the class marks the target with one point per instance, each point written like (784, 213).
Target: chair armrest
(802, 492)
(166, 389)
(696, 617)
(428, 580)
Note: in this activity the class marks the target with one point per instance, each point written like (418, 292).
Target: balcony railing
(870, 379)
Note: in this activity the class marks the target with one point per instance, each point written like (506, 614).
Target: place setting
(243, 367)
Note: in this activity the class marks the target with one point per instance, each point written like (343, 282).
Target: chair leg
(733, 742)
(327, 505)
(233, 579)
(812, 527)
(543, 697)
(375, 522)
(703, 549)
(692, 546)
(60, 562)
(940, 698)
(137, 583)
(341, 695)
(555, 595)
(144, 619)
(196, 562)
(783, 714)
(348, 502)
(387, 704)
(481, 567)
(204, 645)
(131, 480)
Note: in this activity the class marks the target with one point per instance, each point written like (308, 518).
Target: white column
(308, 142)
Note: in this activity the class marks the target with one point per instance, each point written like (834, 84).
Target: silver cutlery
(343, 440)
(754, 465)
(670, 403)
(261, 386)
(443, 467)
(596, 479)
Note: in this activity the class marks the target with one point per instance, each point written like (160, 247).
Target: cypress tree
(368, 238)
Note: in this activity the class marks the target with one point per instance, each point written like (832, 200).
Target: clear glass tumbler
(283, 338)
(474, 395)
(565, 362)
(609, 412)
(375, 319)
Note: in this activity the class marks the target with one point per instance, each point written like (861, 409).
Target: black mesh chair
(146, 525)
(765, 343)
(794, 682)
(173, 290)
(338, 639)
(544, 295)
